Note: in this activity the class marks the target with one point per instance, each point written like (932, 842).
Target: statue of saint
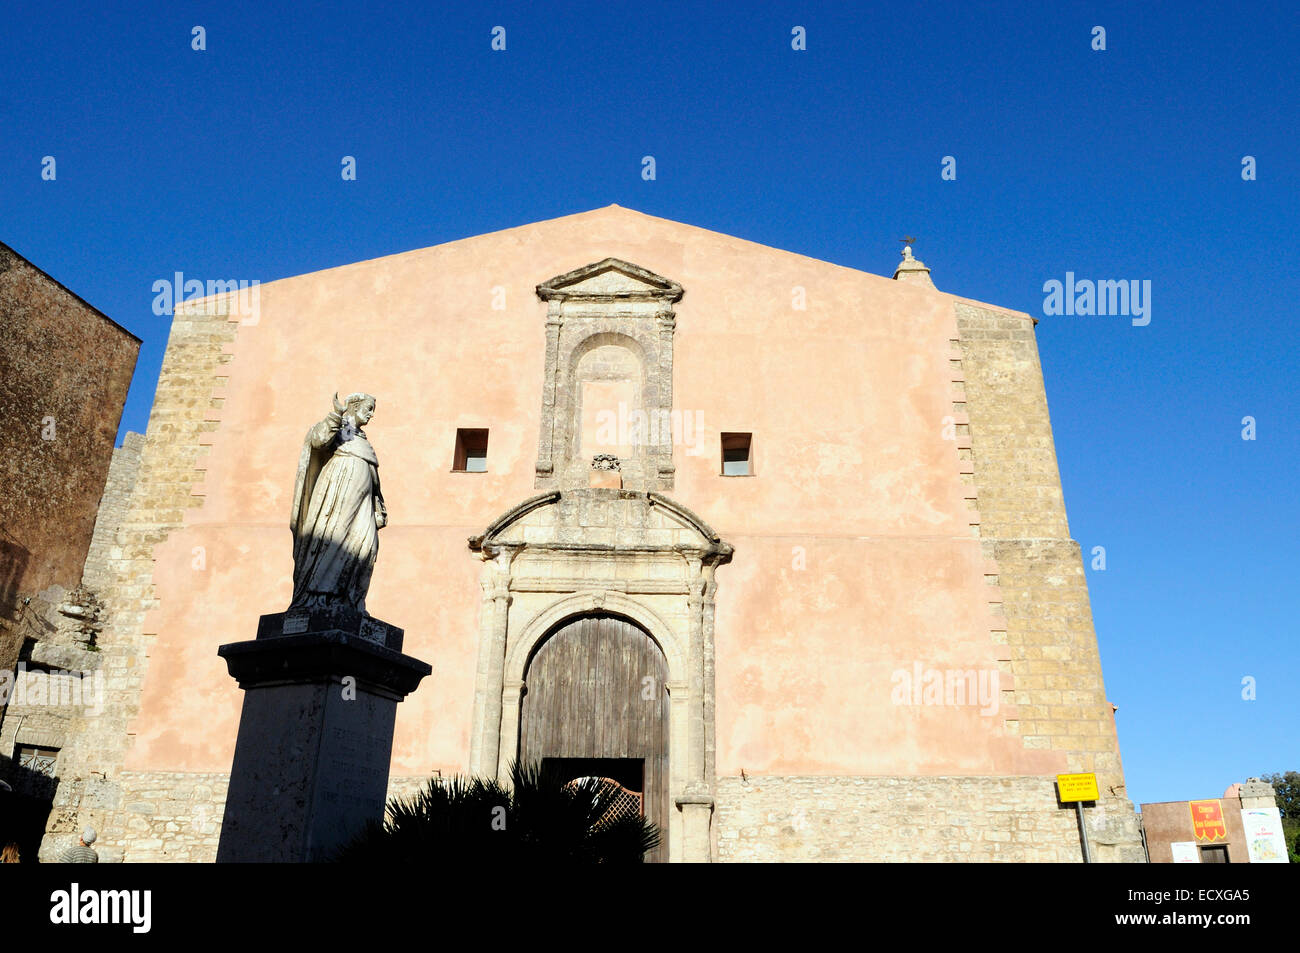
(337, 510)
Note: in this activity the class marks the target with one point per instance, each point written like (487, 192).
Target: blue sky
(1115, 164)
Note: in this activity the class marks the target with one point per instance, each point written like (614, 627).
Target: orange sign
(1207, 820)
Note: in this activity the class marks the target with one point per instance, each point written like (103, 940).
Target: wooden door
(596, 688)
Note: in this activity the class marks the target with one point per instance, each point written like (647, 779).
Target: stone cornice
(660, 288)
(714, 551)
(510, 515)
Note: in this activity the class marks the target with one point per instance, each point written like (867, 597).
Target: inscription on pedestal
(353, 764)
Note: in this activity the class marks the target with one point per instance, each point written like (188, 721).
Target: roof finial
(910, 269)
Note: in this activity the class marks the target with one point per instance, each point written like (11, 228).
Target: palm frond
(541, 817)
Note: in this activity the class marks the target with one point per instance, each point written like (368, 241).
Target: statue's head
(360, 407)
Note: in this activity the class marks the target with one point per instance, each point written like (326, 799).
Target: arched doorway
(596, 703)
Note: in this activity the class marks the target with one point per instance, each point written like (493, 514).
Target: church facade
(778, 545)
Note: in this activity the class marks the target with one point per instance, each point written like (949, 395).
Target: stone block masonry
(171, 463)
(64, 372)
(906, 819)
(113, 507)
(1053, 658)
(167, 816)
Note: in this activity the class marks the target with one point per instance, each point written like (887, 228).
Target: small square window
(737, 454)
(471, 451)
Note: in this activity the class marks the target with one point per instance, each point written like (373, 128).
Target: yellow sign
(1077, 787)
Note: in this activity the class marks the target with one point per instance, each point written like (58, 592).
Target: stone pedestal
(697, 815)
(316, 733)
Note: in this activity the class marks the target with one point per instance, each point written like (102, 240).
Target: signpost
(1078, 788)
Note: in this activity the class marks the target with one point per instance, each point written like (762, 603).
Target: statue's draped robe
(336, 502)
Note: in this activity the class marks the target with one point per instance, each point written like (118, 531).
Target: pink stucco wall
(846, 402)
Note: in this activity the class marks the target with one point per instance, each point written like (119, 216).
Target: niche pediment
(591, 386)
(610, 279)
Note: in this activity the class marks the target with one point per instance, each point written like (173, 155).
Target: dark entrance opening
(628, 772)
(26, 799)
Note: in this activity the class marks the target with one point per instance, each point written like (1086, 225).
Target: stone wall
(917, 819)
(185, 412)
(56, 684)
(162, 816)
(64, 373)
(1051, 646)
(62, 660)
(175, 816)
(113, 506)
(158, 816)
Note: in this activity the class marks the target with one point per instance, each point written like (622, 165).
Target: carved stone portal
(640, 556)
(604, 542)
(608, 385)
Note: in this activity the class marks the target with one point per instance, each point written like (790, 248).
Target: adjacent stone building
(1214, 830)
(64, 372)
(778, 545)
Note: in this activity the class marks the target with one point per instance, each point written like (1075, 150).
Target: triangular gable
(612, 278)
